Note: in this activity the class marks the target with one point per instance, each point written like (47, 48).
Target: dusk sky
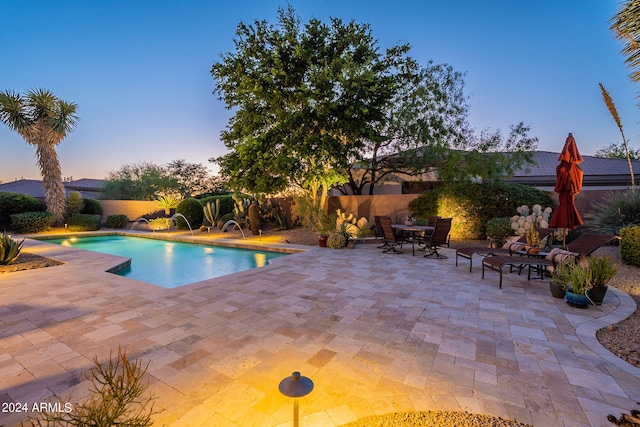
(140, 70)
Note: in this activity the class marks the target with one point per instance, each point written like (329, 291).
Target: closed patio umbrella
(568, 184)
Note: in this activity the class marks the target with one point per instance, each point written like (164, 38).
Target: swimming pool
(171, 264)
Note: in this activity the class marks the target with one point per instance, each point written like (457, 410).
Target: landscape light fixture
(296, 386)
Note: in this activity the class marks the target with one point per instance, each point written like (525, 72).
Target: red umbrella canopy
(568, 184)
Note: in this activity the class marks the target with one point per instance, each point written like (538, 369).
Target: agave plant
(9, 249)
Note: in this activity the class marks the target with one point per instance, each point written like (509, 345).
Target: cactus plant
(254, 218)
(9, 249)
(212, 212)
(240, 208)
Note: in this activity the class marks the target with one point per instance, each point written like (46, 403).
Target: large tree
(319, 105)
(617, 151)
(43, 121)
(306, 100)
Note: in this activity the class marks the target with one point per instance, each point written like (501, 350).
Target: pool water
(171, 264)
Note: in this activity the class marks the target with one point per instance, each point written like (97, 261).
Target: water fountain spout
(141, 219)
(230, 222)
(174, 216)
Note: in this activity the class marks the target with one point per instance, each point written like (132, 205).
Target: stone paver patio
(377, 333)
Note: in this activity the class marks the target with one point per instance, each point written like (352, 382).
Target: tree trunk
(49, 165)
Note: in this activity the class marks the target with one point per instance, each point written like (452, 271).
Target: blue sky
(140, 70)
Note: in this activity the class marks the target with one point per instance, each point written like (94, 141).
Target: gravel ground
(434, 419)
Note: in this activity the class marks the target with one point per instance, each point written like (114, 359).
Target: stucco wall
(131, 208)
(396, 205)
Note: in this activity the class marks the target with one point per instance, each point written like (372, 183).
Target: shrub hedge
(630, 245)
(15, 203)
(117, 221)
(83, 222)
(92, 206)
(192, 210)
(32, 222)
(472, 205)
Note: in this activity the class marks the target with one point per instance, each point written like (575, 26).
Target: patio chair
(438, 238)
(508, 248)
(583, 246)
(391, 240)
(378, 228)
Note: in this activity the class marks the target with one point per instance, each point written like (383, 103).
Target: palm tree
(626, 26)
(43, 121)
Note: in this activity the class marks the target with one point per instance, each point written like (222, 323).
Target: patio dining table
(414, 230)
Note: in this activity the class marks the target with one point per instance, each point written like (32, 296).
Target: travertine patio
(376, 333)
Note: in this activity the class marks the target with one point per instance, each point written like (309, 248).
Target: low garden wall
(133, 209)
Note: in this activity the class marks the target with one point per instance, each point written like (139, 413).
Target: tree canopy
(306, 100)
(320, 104)
(147, 181)
(617, 151)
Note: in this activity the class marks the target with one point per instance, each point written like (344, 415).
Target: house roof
(598, 171)
(88, 188)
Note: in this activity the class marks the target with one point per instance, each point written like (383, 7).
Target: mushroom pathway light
(296, 386)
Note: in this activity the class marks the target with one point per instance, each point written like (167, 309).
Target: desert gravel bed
(434, 419)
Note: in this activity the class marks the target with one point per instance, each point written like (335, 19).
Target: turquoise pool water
(172, 264)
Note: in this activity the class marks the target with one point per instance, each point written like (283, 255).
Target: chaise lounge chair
(583, 245)
(509, 248)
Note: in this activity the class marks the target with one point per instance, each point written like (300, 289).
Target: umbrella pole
(564, 238)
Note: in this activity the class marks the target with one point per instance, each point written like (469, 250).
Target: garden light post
(296, 386)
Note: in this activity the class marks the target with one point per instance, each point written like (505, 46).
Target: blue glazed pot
(577, 300)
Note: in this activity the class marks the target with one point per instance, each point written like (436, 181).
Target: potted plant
(498, 229)
(579, 281)
(602, 269)
(559, 280)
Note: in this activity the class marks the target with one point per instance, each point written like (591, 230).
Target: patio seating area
(376, 333)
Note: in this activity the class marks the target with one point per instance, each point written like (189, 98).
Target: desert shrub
(117, 398)
(226, 203)
(83, 222)
(192, 210)
(226, 217)
(32, 222)
(630, 245)
(92, 206)
(616, 211)
(15, 203)
(336, 241)
(499, 228)
(426, 204)
(117, 221)
(74, 204)
(472, 205)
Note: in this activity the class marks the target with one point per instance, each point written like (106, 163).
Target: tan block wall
(133, 209)
(393, 205)
(397, 205)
